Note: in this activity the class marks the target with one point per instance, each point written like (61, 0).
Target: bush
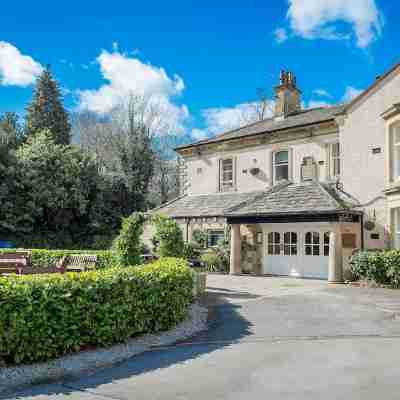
(383, 267)
(43, 317)
(168, 237)
(46, 258)
(128, 246)
(211, 261)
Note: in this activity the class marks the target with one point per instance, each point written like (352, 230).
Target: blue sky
(202, 61)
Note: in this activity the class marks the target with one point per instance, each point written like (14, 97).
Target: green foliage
(46, 110)
(47, 258)
(190, 251)
(128, 245)
(168, 237)
(43, 317)
(382, 267)
(199, 238)
(211, 261)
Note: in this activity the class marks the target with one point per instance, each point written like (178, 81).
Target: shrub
(168, 237)
(46, 258)
(190, 251)
(380, 266)
(43, 317)
(128, 246)
(211, 261)
(199, 238)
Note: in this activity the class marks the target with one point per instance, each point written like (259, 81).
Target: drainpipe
(362, 231)
(187, 229)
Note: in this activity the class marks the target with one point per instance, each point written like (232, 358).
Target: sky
(202, 62)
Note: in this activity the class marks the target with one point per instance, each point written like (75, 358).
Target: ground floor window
(274, 243)
(215, 237)
(290, 244)
(396, 226)
(312, 242)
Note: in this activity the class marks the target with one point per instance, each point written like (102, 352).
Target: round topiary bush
(46, 316)
(168, 237)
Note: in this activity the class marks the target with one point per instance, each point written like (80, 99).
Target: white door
(295, 251)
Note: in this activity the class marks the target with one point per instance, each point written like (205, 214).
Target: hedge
(46, 316)
(44, 257)
(383, 267)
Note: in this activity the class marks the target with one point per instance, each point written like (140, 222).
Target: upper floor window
(281, 165)
(226, 174)
(395, 152)
(335, 160)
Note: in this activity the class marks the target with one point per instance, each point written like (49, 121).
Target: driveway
(274, 338)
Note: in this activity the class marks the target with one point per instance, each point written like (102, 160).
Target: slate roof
(284, 198)
(297, 119)
(210, 205)
(292, 198)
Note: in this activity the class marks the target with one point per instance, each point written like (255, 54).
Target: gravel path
(88, 362)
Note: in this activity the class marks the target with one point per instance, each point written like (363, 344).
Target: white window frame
(333, 172)
(227, 186)
(209, 232)
(274, 164)
(394, 145)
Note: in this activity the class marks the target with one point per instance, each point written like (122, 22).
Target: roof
(294, 120)
(284, 198)
(208, 205)
(292, 198)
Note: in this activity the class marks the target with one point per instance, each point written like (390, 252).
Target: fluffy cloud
(127, 76)
(222, 119)
(199, 134)
(312, 19)
(281, 35)
(350, 93)
(17, 69)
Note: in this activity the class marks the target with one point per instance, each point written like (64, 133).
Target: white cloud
(350, 93)
(128, 76)
(222, 119)
(199, 134)
(318, 104)
(281, 35)
(17, 69)
(322, 93)
(312, 19)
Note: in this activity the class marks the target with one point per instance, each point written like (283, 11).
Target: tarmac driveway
(276, 338)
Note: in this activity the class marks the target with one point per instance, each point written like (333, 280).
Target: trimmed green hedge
(46, 316)
(383, 267)
(45, 258)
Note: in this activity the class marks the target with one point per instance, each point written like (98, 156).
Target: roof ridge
(167, 203)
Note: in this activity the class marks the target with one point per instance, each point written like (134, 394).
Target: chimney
(287, 96)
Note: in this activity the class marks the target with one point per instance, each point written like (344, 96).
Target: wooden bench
(14, 263)
(77, 263)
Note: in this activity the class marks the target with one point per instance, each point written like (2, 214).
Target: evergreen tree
(46, 110)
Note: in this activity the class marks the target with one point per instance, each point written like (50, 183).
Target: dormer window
(281, 165)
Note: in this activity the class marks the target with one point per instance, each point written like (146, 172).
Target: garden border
(88, 362)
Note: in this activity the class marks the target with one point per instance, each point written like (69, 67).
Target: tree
(46, 110)
(10, 130)
(168, 237)
(57, 185)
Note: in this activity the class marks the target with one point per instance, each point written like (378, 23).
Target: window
(335, 159)
(396, 237)
(312, 243)
(290, 244)
(281, 165)
(274, 243)
(214, 238)
(326, 243)
(226, 175)
(396, 153)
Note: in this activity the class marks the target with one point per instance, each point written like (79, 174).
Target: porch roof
(293, 198)
(283, 199)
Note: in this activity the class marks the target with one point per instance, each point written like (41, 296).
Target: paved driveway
(274, 338)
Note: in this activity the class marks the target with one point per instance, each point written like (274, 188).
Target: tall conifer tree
(46, 111)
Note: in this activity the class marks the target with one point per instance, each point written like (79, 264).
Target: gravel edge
(73, 366)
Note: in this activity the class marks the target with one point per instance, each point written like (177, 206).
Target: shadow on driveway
(226, 326)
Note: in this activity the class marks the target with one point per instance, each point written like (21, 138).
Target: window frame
(229, 185)
(280, 164)
(394, 145)
(333, 158)
(209, 233)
